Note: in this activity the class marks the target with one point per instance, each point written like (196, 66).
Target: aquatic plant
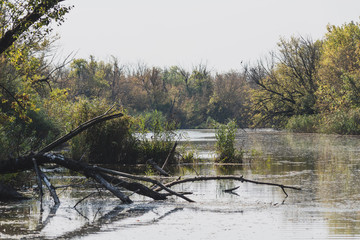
(225, 144)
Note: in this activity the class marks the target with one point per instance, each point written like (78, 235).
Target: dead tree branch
(236, 178)
(157, 168)
(50, 187)
(145, 179)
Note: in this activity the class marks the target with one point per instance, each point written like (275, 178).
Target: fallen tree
(113, 181)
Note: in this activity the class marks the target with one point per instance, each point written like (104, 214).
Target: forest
(304, 85)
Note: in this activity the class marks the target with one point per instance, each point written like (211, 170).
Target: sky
(218, 33)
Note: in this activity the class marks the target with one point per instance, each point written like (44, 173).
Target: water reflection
(327, 167)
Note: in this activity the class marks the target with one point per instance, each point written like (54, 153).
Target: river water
(326, 167)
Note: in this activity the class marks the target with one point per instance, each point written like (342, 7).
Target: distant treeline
(189, 97)
(304, 85)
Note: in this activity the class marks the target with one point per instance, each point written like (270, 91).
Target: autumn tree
(230, 98)
(24, 31)
(26, 20)
(340, 68)
(285, 85)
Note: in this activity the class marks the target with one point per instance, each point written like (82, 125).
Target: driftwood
(228, 177)
(113, 181)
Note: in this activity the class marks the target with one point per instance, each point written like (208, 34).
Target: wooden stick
(134, 187)
(84, 199)
(42, 177)
(112, 189)
(231, 189)
(169, 155)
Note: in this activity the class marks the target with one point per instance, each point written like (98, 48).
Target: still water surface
(326, 167)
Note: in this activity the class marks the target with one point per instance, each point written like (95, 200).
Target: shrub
(108, 142)
(225, 144)
(342, 122)
(22, 136)
(157, 137)
(303, 123)
(123, 140)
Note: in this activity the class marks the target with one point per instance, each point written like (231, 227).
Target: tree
(28, 19)
(230, 98)
(200, 88)
(286, 84)
(89, 78)
(24, 31)
(340, 68)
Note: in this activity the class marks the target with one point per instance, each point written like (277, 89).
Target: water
(326, 167)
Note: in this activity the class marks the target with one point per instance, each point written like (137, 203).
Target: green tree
(286, 84)
(29, 19)
(340, 68)
(89, 78)
(24, 31)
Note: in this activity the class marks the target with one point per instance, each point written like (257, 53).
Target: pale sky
(219, 33)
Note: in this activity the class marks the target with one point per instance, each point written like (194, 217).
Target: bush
(225, 144)
(21, 136)
(108, 142)
(123, 140)
(303, 123)
(342, 122)
(157, 137)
